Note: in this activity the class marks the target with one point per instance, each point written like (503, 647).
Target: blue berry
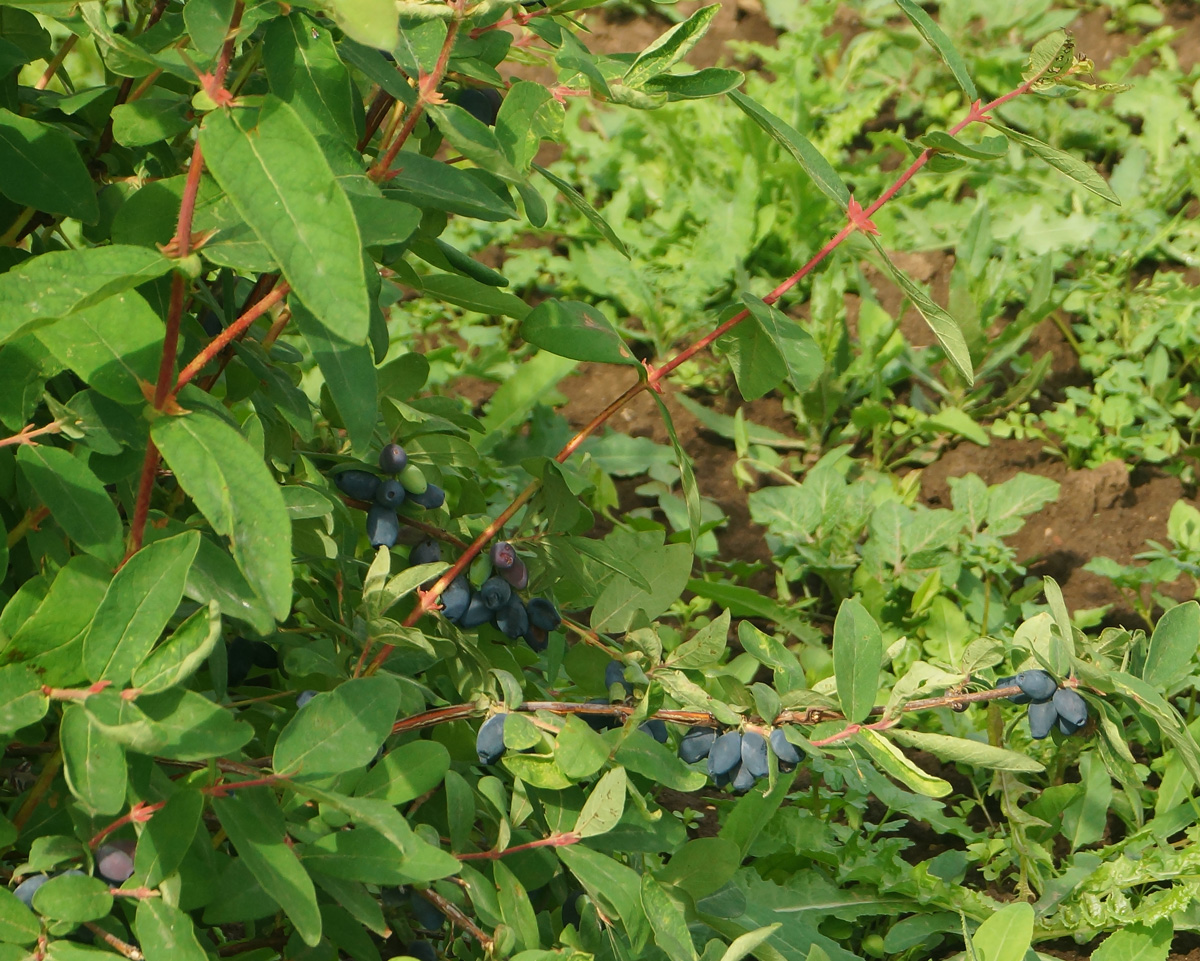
(477, 613)
(697, 744)
(784, 749)
(1072, 710)
(304, 697)
(427, 552)
(1009, 681)
(382, 526)
(115, 861)
(1039, 685)
(28, 888)
(614, 673)
(431, 498)
(754, 754)
(656, 728)
(741, 779)
(390, 494)
(489, 742)
(359, 484)
(543, 614)
(392, 459)
(511, 619)
(455, 598)
(517, 575)
(495, 592)
(1042, 716)
(725, 754)
(535, 637)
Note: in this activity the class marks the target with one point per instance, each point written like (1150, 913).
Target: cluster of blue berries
(735, 758)
(114, 862)
(496, 601)
(404, 483)
(1048, 703)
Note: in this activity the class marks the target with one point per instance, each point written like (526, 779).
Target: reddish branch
(229, 334)
(554, 841)
(27, 434)
(858, 219)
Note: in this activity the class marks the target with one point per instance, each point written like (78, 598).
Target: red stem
(223, 339)
(554, 841)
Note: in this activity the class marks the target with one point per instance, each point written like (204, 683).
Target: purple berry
(114, 861)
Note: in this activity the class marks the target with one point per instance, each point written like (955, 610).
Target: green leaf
(75, 498)
(21, 699)
(702, 866)
(758, 366)
(165, 933)
(705, 647)
(18, 925)
(52, 285)
(800, 147)
(277, 177)
(934, 36)
(94, 765)
(303, 69)
(579, 751)
(428, 183)
(113, 346)
(1137, 942)
(570, 328)
(471, 294)
(579, 202)
(515, 907)
(604, 806)
(965, 751)
(1078, 170)
(666, 921)
(178, 724)
(406, 772)
(709, 82)
(349, 372)
(166, 837)
(1062, 645)
(238, 496)
(687, 474)
(990, 149)
(857, 659)
(43, 170)
(372, 22)
(73, 897)
(612, 885)
(1173, 646)
(1008, 504)
(136, 607)
(339, 730)
(666, 569)
(527, 116)
(746, 944)
(255, 825)
(944, 327)
(475, 140)
(207, 23)
(643, 755)
(892, 760)
(182, 654)
(1006, 935)
(800, 353)
(671, 47)
(150, 119)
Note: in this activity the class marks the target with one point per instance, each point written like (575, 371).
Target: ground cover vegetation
(330, 630)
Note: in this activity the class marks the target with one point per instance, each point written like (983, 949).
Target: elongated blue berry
(741, 779)
(784, 749)
(427, 552)
(455, 599)
(696, 744)
(535, 637)
(1039, 685)
(754, 754)
(726, 754)
(1071, 708)
(28, 888)
(511, 619)
(495, 593)
(304, 697)
(382, 526)
(390, 494)
(656, 728)
(392, 459)
(1009, 681)
(114, 861)
(504, 555)
(359, 484)
(1042, 716)
(477, 613)
(431, 498)
(489, 742)
(517, 575)
(614, 673)
(543, 614)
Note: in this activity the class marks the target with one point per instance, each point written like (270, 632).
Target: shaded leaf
(75, 498)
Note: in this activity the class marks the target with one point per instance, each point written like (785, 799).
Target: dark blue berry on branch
(784, 749)
(543, 614)
(390, 494)
(382, 526)
(427, 552)
(726, 754)
(1039, 685)
(754, 754)
(656, 728)
(455, 599)
(392, 459)
(489, 742)
(495, 593)
(359, 484)
(1042, 716)
(697, 744)
(431, 498)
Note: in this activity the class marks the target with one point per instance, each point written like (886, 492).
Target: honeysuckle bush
(218, 219)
